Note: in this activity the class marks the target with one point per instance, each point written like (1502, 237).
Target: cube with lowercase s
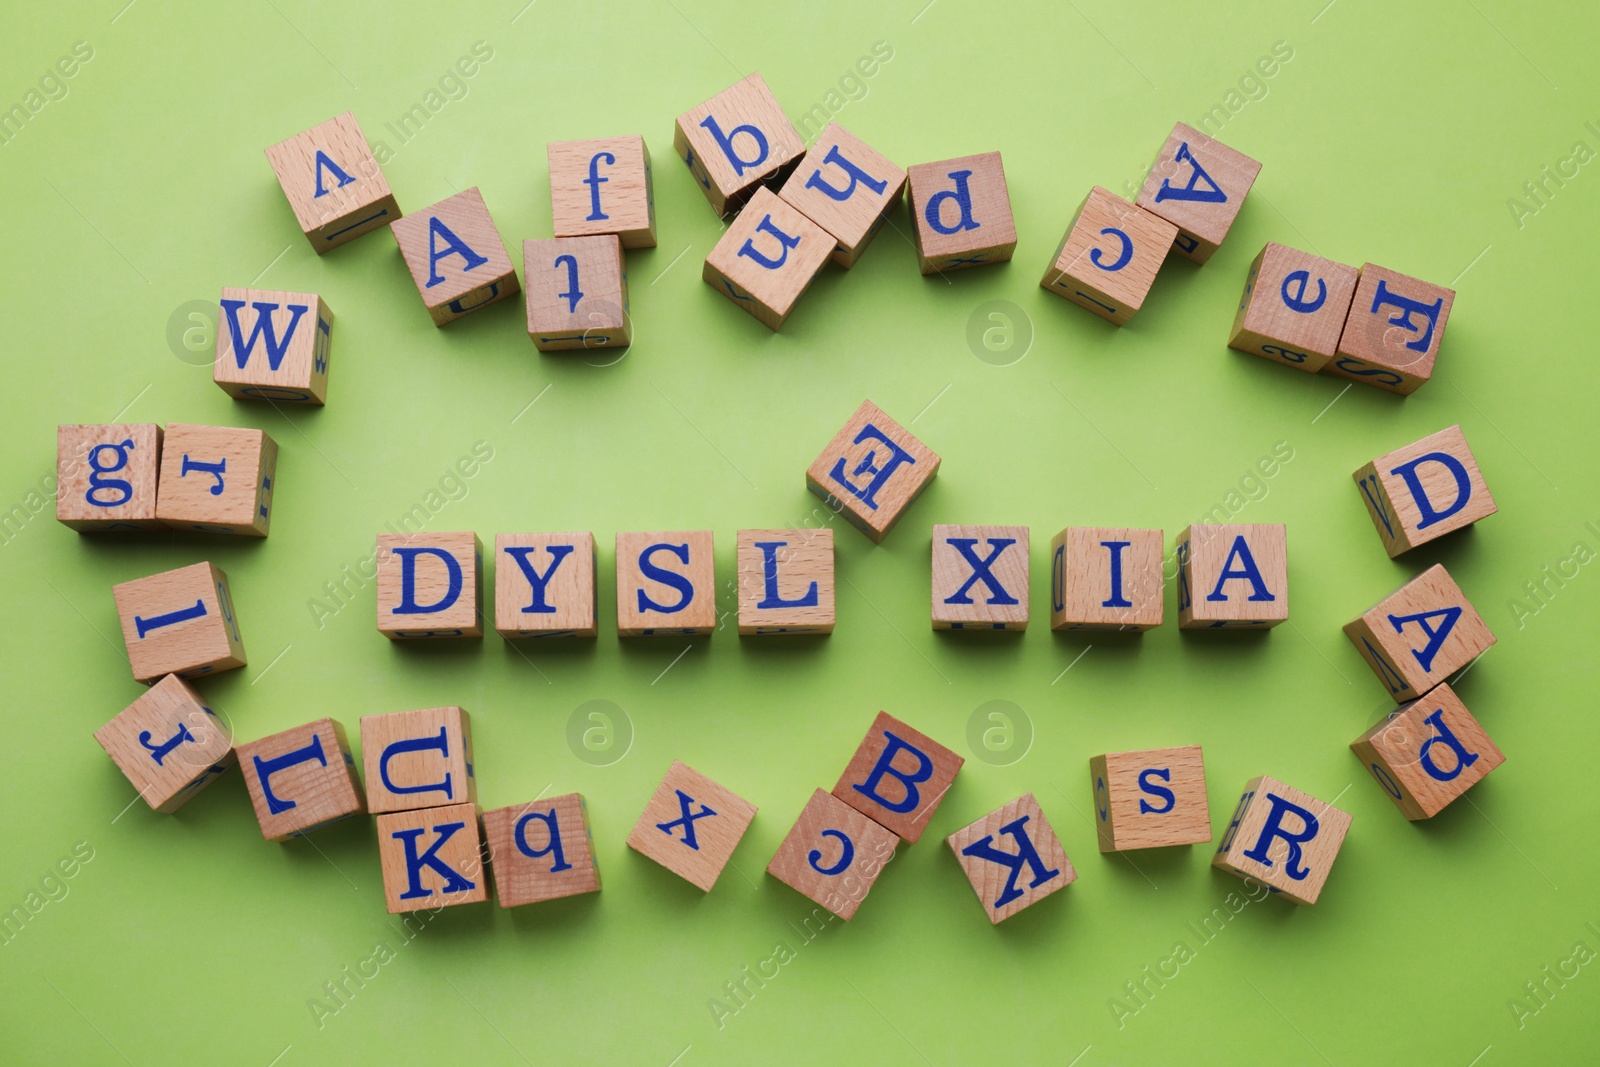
(430, 585)
(785, 581)
(1420, 634)
(333, 183)
(432, 858)
(1106, 578)
(418, 759)
(456, 256)
(833, 854)
(1150, 799)
(666, 584)
(1392, 336)
(980, 578)
(1293, 308)
(847, 188)
(898, 777)
(169, 744)
(542, 850)
(1232, 575)
(768, 258)
(737, 142)
(1285, 839)
(1013, 858)
(301, 779)
(691, 826)
(961, 213)
(273, 346)
(107, 476)
(871, 471)
(1425, 490)
(544, 585)
(1427, 753)
(179, 622)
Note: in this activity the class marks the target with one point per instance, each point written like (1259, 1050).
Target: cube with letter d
(430, 585)
(1424, 490)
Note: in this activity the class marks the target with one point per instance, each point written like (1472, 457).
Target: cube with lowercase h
(301, 779)
(169, 744)
(847, 188)
(1150, 799)
(544, 585)
(273, 346)
(736, 142)
(1428, 752)
(961, 213)
(1233, 575)
(333, 183)
(1420, 634)
(541, 850)
(666, 584)
(602, 185)
(1285, 839)
(217, 479)
(768, 258)
(1109, 256)
(577, 293)
(980, 578)
(1106, 578)
(432, 858)
(691, 826)
(1425, 490)
(1391, 338)
(1013, 858)
(898, 777)
(179, 622)
(785, 582)
(1197, 184)
(418, 759)
(1293, 308)
(430, 585)
(107, 476)
(833, 854)
(871, 471)
(456, 256)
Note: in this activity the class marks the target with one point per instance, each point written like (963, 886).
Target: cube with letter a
(980, 578)
(333, 183)
(577, 293)
(785, 582)
(430, 585)
(1427, 753)
(603, 186)
(432, 858)
(1106, 578)
(217, 479)
(418, 759)
(273, 346)
(1391, 338)
(1109, 256)
(542, 850)
(1424, 490)
(1198, 185)
(1232, 575)
(961, 213)
(847, 188)
(1293, 308)
(1285, 839)
(179, 622)
(666, 584)
(1150, 799)
(544, 585)
(871, 471)
(1013, 858)
(898, 777)
(1420, 634)
(107, 476)
(456, 256)
(768, 258)
(691, 826)
(833, 854)
(169, 744)
(301, 779)
(736, 142)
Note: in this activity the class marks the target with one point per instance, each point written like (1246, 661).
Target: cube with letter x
(418, 759)
(456, 256)
(1420, 634)
(1424, 490)
(871, 471)
(430, 585)
(692, 825)
(1427, 753)
(898, 777)
(1012, 857)
(1232, 575)
(980, 578)
(1285, 839)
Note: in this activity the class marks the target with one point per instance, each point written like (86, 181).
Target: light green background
(1395, 134)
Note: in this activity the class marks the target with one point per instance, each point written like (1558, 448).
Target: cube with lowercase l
(544, 585)
(1109, 256)
(301, 779)
(1425, 490)
(871, 471)
(1293, 308)
(847, 188)
(1013, 858)
(542, 850)
(456, 256)
(1198, 184)
(603, 185)
(691, 826)
(169, 744)
(430, 585)
(179, 622)
(273, 346)
(785, 582)
(217, 479)
(1427, 753)
(1106, 578)
(1150, 799)
(1285, 839)
(577, 293)
(432, 858)
(333, 183)
(1420, 634)
(898, 777)
(1391, 338)
(666, 584)
(107, 476)
(737, 142)
(418, 759)
(1233, 575)
(961, 213)
(767, 258)
(833, 854)
(980, 578)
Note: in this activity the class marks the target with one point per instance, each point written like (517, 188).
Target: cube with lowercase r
(169, 744)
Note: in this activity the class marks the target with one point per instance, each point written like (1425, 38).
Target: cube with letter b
(1109, 257)
(1293, 308)
(1013, 858)
(107, 476)
(1197, 184)
(544, 585)
(456, 256)
(1420, 634)
(600, 186)
(431, 858)
(1391, 338)
(833, 854)
(169, 744)
(1424, 490)
(1427, 753)
(736, 142)
(301, 779)
(1285, 839)
(847, 188)
(666, 584)
(785, 582)
(1106, 578)
(577, 293)
(273, 346)
(430, 585)
(418, 759)
(768, 258)
(179, 622)
(333, 183)
(871, 471)
(898, 777)
(691, 826)
(542, 850)
(1150, 799)
(1232, 575)
(217, 479)
(961, 213)
(980, 578)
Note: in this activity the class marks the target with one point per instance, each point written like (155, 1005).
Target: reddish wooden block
(1420, 634)
(1106, 578)
(1233, 575)
(847, 188)
(898, 777)
(691, 826)
(602, 185)
(217, 479)
(1391, 339)
(1285, 839)
(333, 183)
(1425, 490)
(273, 346)
(418, 759)
(431, 858)
(961, 213)
(871, 471)
(168, 744)
(1198, 184)
(179, 622)
(1293, 308)
(1428, 752)
(1013, 858)
(430, 585)
(736, 142)
(301, 779)
(541, 850)
(456, 256)
(767, 258)
(107, 476)
(1109, 257)
(833, 854)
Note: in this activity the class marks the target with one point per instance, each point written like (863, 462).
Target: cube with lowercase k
(333, 183)
(1198, 184)
(456, 256)
(1420, 634)
(785, 582)
(1012, 857)
(1427, 753)
(833, 854)
(1293, 308)
(418, 759)
(847, 188)
(1232, 575)
(980, 578)
(961, 213)
(737, 142)
(1285, 839)
(767, 258)
(1150, 799)
(541, 850)
(666, 584)
(1109, 257)
(691, 826)
(179, 622)
(603, 185)
(1424, 490)
(1392, 336)
(430, 585)
(273, 346)
(432, 858)
(107, 476)
(1106, 578)
(871, 471)
(301, 779)
(169, 744)
(898, 777)
(544, 585)
(217, 479)
(577, 293)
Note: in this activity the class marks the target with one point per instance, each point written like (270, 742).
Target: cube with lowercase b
(691, 826)
(456, 256)
(432, 858)
(768, 258)
(1424, 490)
(418, 759)
(1392, 336)
(541, 850)
(1013, 858)
(871, 471)
(577, 293)
(833, 854)
(544, 585)
(107, 476)
(273, 346)
(179, 622)
(1233, 575)
(847, 188)
(333, 183)
(217, 479)
(898, 777)
(1109, 257)
(1420, 634)
(1198, 184)
(961, 213)
(737, 142)
(603, 185)
(666, 584)
(1427, 753)
(169, 744)
(301, 779)
(980, 578)
(1293, 308)
(1106, 578)
(430, 585)
(1285, 839)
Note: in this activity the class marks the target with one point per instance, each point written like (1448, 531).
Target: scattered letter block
(544, 585)
(961, 213)
(602, 186)
(898, 777)
(217, 479)
(541, 851)
(738, 140)
(106, 476)
(1232, 575)
(168, 744)
(577, 293)
(179, 622)
(1109, 256)
(431, 858)
(301, 779)
(1420, 634)
(767, 258)
(846, 188)
(430, 585)
(333, 183)
(1424, 490)
(666, 584)
(1285, 839)
(1012, 857)
(1293, 308)
(1427, 753)
(833, 854)
(456, 256)
(273, 346)
(691, 826)
(871, 471)
(1391, 339)
(1198, 185)
(418, 759)
(1150, 799)
(1106, 578)
(980, 578)
(785, 581)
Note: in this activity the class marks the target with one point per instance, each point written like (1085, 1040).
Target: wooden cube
(833, 854)
(1109, 256)
(168, 743)
(1293, 308)
(1150, 799)
(602, 185)
(871, 471)
(1285, 839)
(273, 346)
(541, 850)
(301, 779)
(431, 858)
(736, 142)
(430, 585)
(577, 293)
(666, 584)
(785, 581)
(898, 777)
(418, 759)
(1233, 575)
(1391, 339)
(1420, 634)
(107, 476)
(217, 479)
(847, 188)
(980, 578)
(1427, 753)
(333, 183)
(1424, 490)
(1012, 857)
(544, 585)
(961, 213)
(767, 258)
(1106, 578)
(1197, 184)
(456, 256)
(691, 826)
(179, 622)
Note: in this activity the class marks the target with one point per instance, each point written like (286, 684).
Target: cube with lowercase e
(1013, 858)
(980, 578)
(1285, 839)
(785, 581)
(179, 622)
(1424, 490)
(1150, 799)
(1232, 575)
(217, 479)
(737, 142)
(301, 779)
(418, 759)
(1428, 752)
(333, 183)
(273, 346)
(107, 476)
(1109, 257)
(603, 185)
(432, 858)
(1198, 184)
(577, 293)
(544, 585)
(1392, 336)
(871, 471)
(542, 850)
(1293, 308)
(691, 826)
(1420, 634)
(847, 188)
(666, 584)
(961, 213)
(456, 256)
(833, 854)
(767, 258)
(1106, 578)
(169, 744)
(898, 777)
(430, 585)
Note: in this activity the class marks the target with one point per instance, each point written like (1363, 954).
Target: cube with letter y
(1285, 839)
(301, 779)
(430, 585)
(961, 213)
(456, 256)
(544, 585)
(736, 142)
(871, 471)
(333, 183)
(1232, 575)
(418, 759)
(898, 777)
(1424, 490)
(691, 826)
(1013, 858)
(768, 258)
(980, 578)
(666, 584)
(1420, 634)
(1198, 184)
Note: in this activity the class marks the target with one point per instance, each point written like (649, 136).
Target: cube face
(456, 256)
(1425, 490)
(1233, 575)
(785, 582)
(301, 779)
(577, 293)
(418, 759)
(980, 578)
(847, 188)
(898, 777)
(737, 141)
(1013, 858)
(168, 744)
(1106, 578)
(871, 471)
(217, 479)
(1198, 184)
(691, 826)
(1420, 634)
(1293, 309)
(273, 346)
(1427, 753)
(431, 858)
(1391, 338)
(179, 622)
(430, 585)
(603, 186)
(542, 850)
(961, 213)
(544, 585)
(333, 183)
(833, 854)
(1285, 839)
(767, 258)
(1109, 256)
(107, 476)
(666, 584)
(1150, 799)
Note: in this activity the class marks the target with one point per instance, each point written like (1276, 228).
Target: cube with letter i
(577, 293)
(736, 142)
(430, 585)
(217, 479)
(1013, 858)
(1420, 634)
(1106, 578)
(847, 188)
(107, 476)
(1424, 490)
(768, 258)
(542, 850)
(871, 471)
(1109, 257)
(1392, 336)
(1150, 799)
(1293, 308)
(456, 256)
(1285, 839)
(301, 779)
(603, 186)
(544, 585)
(333, 183)
(691, 826)
(432, 858)
(1197, 184)
(785, 582)
(1232, 575)
(833, 854)
(1428, 752)
(179, 622)
(980, 578)
(273, 346)
(961, 213)
(169, 744)
(666, 584)
(898, 777)
(418, 759)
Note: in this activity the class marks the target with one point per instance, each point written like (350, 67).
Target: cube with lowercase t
(1424, 490)
(603, 185)
(691, 826)
(432, 858)
(169, 744)
(541, 850)
(107, 476)
(1013, 858)
(430, 585)
(179, 622)
(577, 293)
(418, 759)
(1420, 634)
(301, 779)
(1197, 184)
(980, 578)
(1106, 578)
(847, 188)
(898, 777)
(333, 183)
(767, 258)
(1109, 256)
(666, 584)
(456, 256)
(1233, 575)
(736, 142)
(833, 854)
(961, 213)
(871, 471)
(1285, 839)
(273, 346)
(1150, 799)
(1293, 308)
(785, 582)
(544, 585)
(1391, 338)
(217, 479)
(1427, 753)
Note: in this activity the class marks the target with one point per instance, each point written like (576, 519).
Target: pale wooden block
(1427, 753)
(602, 185)
(767, 258)
(1109, 257)
(1391, 339)
(456, 256)
(1150, 799)
(1420, 634)
(1106, 578)
(691, 826)
(1293, 308)
(179, 622)
(833, 854)
(961, 213)
(736, 142)
(1198, 184)
(577, 293)
(785, 581)
(301, 779)
(871, 471)
(980, 578)
(898, 777)
(1285, 839)
(542, 850)
(1425, 490)
(430, 585)
(1233, 575)
(273, 346)
(418, 759)
(666, 583)
(168, 744)
(1012, 857)
(847, 188)
(333, 183)
(449, 837)
(217, 479)
(107, 476)
(544, 585)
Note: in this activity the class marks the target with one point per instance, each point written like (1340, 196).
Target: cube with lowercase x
(961, 213)
(691, 826)
(737, 142)
(603, 185)
(544, 585)
(418, 759)
(273, 346)
(217, 479)
(541, 850)
(1427, 753)
(767, 258)
(847, 188)
(1013, 858)
(301, 779)
(1198, 184)
(785, 581)
(666, 583)
(898, 777)
(432, 858)
(333, 183)
(456, 256)
(1424, 490)
(1232, 575)
(169, 744)
(1109, 256)
(1293, 308)
(871, 471)
(1391, 338)
(1420, 634)
(833, 854)
(1285, 839)
(179, 622)
(430, 585)
(577, 293)
(107, 476)
(1150, 799)
(1106, 578)
(980, 578)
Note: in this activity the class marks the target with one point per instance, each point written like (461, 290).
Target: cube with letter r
(1285, 839)
(430, 585)
(898, 777)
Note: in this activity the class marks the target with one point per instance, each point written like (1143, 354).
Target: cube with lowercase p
(577, 293)
(1013, 858)
(1109, 257)
(1198, 184)
(179, 622)
(169, 744)
(418, 759)
(1420, 634)
(767, 258)
(1424, 490)
(1285, 839)
(333, 183)
(1392, 336)
(1232, 575)
(833, 854)
(541, 850)
(1427, 753)
(961, 213)
(107, 476)
(301, 779)
(691, 826)
(1106, 578)
(544, 585)
(666, 584)
(847, 188)
(603, 185)
(980, 578)
(737, 142)
(1150, 799)
(1293, 308)
(871, 471)
(898, 777)
(217, 479)
(785, 582)
(431, 858)
(273, 346)
(430, 585)
(456, 256)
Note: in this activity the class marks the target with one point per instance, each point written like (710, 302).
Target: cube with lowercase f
(1012, 858)
(541, 850)
(169, 744)
(898, 777)
(179, 622)
(1427, 753)
(1285, 839)
(301, 779)
(1420, 634)
(544, 585)
(603, 185)
(430, 585)
(847, 188)
(768, 258)
(871, 471)
(273, 346)
(1424, 490)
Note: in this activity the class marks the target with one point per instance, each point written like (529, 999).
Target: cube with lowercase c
(1013, 858)
(666, 584)
(1150, 799)
(542, 850)
(430, 585)
(169, 744)
(737, 142)
(785, 582)
(1428, 752)
(107, 476)
(961, 213)
(603, 185)
(1420, 634)
(1392, 336)
(333, 183)
(1233, 575)
(691, 826)
(1425, 490)
(179, 622)
(432, 858)
(833, 854)
(217, 479)
(273, 346)
(1109, 257)
(1285, 839)
(847, 188)
(980, 578)
(768, 258)
(1106, 578)
(871, 471)
(418, 759)
(544, 585)
(898, 777)
(301, 779)
(456, 256)
(1198, 184)
(1293, 308)
(577, 293)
